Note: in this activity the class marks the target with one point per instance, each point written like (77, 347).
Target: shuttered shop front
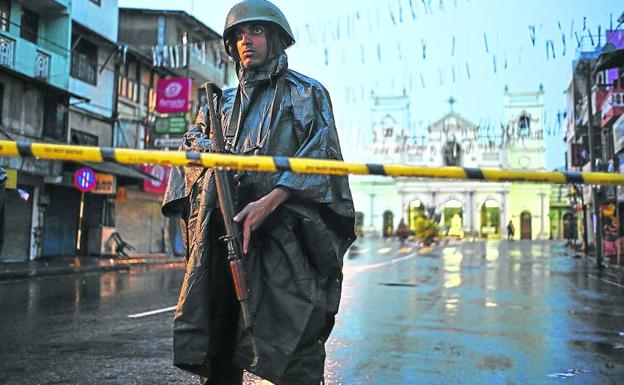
(139, 221)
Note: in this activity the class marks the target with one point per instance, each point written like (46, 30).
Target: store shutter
(17, 226)
(140, 223)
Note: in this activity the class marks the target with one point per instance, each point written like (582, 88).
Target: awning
(610, 58)
(118, 169)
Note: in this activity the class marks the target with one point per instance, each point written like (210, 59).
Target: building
(34, 105)
(462, 208)
(158, 46)
(606, 100)
(528, 202)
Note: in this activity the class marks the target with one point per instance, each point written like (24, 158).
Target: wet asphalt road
(466, 313)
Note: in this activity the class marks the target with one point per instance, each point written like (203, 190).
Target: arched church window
(387, 126)
(524, 125)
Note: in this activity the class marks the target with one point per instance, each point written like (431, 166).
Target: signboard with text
(173, 95)
(170, 125)
(104, 184)
(167, 142)
(158, 185)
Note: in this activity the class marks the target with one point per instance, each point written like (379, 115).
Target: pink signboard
(159, 185)
(173, 95)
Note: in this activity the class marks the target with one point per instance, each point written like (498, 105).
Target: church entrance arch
(415, 210)
(490, 219)
(453, 214)
(388, 224)
(525, 225)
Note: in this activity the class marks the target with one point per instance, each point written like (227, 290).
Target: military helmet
(256, 10)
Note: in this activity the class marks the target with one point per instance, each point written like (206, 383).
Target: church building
(462, 208)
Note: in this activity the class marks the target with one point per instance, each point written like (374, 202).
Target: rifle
(225, 194)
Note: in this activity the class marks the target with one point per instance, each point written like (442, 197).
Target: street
(523, 312)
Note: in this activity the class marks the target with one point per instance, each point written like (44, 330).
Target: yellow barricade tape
(298, 165)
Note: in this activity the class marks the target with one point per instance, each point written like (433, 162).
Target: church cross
(452, 102)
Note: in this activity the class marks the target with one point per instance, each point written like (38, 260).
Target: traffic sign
(84, 179)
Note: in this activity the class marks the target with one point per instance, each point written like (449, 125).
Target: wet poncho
(294, 266)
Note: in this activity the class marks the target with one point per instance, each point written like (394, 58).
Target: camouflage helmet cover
(256, 10)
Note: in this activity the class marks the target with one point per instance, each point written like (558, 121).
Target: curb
(122, 265)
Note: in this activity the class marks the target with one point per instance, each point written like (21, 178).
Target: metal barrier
(298, 165)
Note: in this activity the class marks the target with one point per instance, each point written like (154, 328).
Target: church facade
(462, 208)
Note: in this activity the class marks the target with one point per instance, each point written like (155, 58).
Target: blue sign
(84, 179)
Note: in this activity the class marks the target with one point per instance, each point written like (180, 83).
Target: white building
(463, 208)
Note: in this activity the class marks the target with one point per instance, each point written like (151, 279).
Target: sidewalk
(78, 265)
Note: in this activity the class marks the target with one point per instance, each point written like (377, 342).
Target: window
(29, 29)
(82, 138)
(524, 126)
(129, 81)
(84, 61)
(55, 115)
(5, 15)
(96, 2)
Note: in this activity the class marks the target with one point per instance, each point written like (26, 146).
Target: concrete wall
(102, 19)
(102, 94)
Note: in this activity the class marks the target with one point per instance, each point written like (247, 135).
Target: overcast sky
(434, 49)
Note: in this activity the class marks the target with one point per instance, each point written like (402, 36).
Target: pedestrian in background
(295, 227)
(510, 231)
(402, 231)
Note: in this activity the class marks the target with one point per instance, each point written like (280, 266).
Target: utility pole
(587, 72)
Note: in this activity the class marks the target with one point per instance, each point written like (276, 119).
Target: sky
(431, 50)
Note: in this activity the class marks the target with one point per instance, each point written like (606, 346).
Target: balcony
(205, 65)
(612, 107)
(42, 66)
(7, 47)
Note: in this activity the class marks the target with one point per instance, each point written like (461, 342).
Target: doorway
(525, 225)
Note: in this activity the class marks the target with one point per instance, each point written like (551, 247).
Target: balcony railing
(7, 47)
(42, 66)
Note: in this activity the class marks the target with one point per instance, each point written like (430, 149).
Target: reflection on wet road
(464, 313)
(477, 313)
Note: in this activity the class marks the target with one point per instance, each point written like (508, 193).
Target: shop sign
(173, 95)
(618, 134)
(11, 179)
(104, 184)
(167, 142)
(170, 125)
(158, 185)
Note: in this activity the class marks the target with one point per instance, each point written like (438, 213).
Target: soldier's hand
(256, 212)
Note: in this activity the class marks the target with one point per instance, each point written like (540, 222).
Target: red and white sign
(159, 185)
(173, 95)
(84, 179)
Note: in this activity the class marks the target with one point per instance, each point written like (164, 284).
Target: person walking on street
(510, 231)
(402, 231)
(295, 227)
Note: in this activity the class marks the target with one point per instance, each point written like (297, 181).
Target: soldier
(295, 227)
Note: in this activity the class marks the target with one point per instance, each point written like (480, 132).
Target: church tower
(524, 133)
(526, 150)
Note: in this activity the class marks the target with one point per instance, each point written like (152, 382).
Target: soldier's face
(251, 44)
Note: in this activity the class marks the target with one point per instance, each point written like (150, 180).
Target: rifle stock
(225, 194)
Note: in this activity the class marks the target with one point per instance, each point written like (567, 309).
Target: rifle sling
(233, 130)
